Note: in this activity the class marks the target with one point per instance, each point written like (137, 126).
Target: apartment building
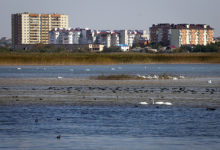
(160, 34)
(64, 36)
(190, 34)
(181, 34)
(29, 28)
(108, 38)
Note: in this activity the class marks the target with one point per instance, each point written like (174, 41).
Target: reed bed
(104, 59)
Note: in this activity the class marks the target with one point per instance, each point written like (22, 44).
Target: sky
(117, 14)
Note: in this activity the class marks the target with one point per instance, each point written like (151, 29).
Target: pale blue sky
(117, 14)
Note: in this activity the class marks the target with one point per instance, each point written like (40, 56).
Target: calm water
(192, 70)
(111, 128)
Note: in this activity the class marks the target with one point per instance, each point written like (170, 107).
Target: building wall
(175, 37)
(183, 34)
(28, 28)
(124, 37)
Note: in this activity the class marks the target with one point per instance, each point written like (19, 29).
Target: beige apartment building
(191, 34)
(29, 28)
(181, 34)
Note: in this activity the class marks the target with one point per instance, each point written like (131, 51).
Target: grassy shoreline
(105, 58)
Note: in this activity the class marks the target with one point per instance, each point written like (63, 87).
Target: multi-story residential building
(160, 34)
(108, 38)
(104, 38)
(115, 38)
(124, 37)
(87, 36)
(64, 36)
(29, 28)
(181, 34)
(185, 34)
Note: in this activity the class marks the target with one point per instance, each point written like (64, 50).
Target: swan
(175, 78)
(182, 77)
(168, 103)
(59, 77)
(210, 81)
(18, 68)
(143, 103)
(161, 103)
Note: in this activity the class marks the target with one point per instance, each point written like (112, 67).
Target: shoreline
(189, 92)
(103, 64)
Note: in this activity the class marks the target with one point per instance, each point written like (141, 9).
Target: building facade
(108, 38)
(181, 34)
(185, 34)
(64, 36)
(29, 28)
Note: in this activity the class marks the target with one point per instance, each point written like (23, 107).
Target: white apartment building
(124, 37)
(107, 38)
(29, 28)
(64, 36)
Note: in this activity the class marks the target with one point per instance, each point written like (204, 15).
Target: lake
(109, 127)
(191, 70)
(96, 127)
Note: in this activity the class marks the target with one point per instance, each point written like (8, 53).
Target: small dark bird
(210, 109)
(59, 136)
(58, 118)
(36, 120)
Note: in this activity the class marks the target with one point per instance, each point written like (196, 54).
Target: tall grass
(99, 59)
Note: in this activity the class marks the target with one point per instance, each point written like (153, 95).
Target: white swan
(175, 78)
(18, 68)
(168, 103)
(210, 81)
(59, 77)
(161, 103)
(143, 103)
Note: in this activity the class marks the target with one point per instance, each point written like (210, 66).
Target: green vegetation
(36, 58)
(213, 47)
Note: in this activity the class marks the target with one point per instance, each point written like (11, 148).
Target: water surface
(96, 127)
(191, 70)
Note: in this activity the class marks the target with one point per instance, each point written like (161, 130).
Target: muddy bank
(191, 92)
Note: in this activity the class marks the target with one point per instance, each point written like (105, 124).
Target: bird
(87, 69)
(210, 109)
(210, 81)
(18, 68)
(59, 77)
(168, 103)
(36, 120)
(58, 118)
(182, 77)
(175, 78)
(161, 103)
(143, 103)
(59, 136)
